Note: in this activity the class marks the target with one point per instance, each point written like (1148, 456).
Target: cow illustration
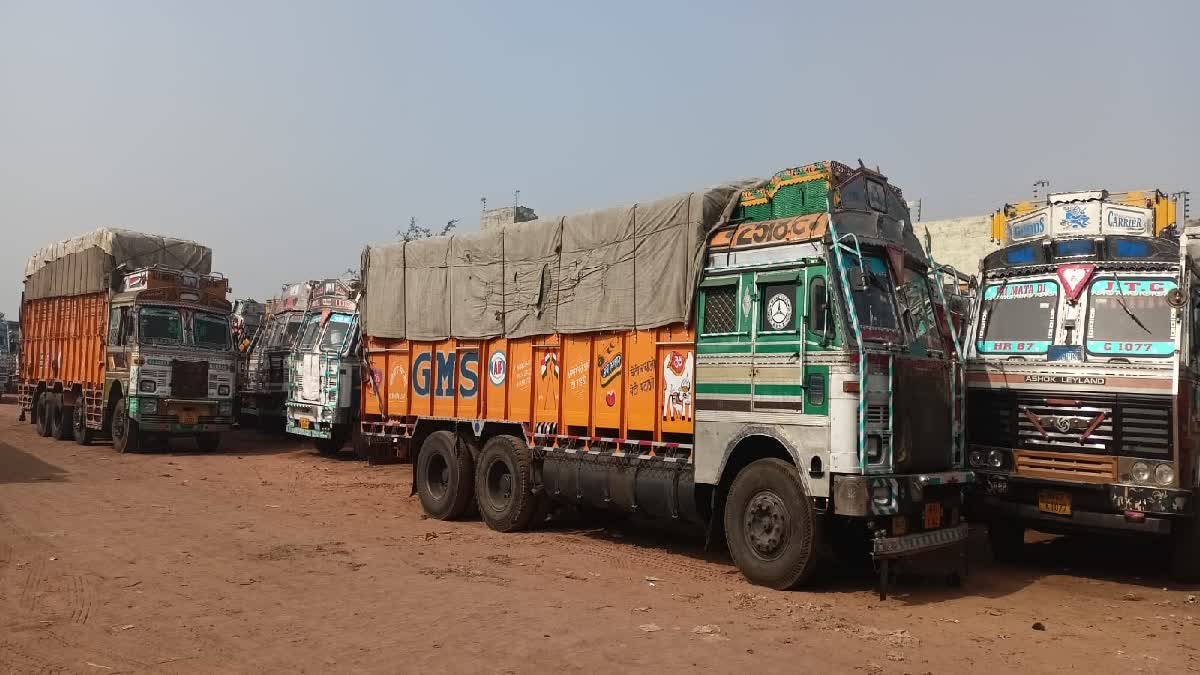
(677, 386)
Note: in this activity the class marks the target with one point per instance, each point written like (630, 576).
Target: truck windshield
(159, 326)
(211, 331)
(1017, 317)
(917, 306)
(312, 328)
(337, 329)
(285, 333)
(1130, 317)
(875, 306)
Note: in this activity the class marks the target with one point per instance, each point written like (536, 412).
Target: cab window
(720, 310)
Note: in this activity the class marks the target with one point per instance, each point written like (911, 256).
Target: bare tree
(416, 231)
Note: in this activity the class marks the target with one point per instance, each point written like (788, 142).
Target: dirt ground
(268, 557)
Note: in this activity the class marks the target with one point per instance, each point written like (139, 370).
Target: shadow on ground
(17, 466)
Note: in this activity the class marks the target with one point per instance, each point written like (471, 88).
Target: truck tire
(333, 445)
(62, 421)
(208, 442)
(126, 435)
(79, 428)
(1007, 539)
(1185, 550)
(773, 532)
(360, 442)
(444, 477)
(504, 484)
(42, 408)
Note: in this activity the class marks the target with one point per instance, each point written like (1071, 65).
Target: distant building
(959, 242)
(505, 215)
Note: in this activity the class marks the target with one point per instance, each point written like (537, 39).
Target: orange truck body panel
(609, 384)
(62, 340)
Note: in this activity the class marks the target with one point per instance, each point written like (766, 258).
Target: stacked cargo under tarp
(84, 264)
(630, 267)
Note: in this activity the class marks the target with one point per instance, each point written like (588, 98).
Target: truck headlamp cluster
(147, 386)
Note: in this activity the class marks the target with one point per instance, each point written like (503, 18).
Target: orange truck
(770, 359)
(127, 335)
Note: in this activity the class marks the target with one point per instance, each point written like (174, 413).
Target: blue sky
(286, 135)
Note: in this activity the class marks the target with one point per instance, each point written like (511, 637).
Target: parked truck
(772, 360)
(126, 334)
(323, 369)
(9, 346)
(263, 391)
(1082, 376)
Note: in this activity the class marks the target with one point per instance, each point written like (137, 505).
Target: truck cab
(263, 391)
(323, 368)
(1082, 373)
(169, 360)
(8, 356)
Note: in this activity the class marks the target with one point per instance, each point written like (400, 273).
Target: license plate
(189, 417)
(899, 526)
(933, 516)
(1058, 503)
(304, 424)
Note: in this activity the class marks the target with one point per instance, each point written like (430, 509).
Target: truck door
(777, 355)
(119, 339)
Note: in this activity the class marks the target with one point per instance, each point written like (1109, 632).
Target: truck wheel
(125, 433)
(360, 442)
(83, 435)
(333, 445)
(209, 442)
(444, 477)
(1007, 538)
(504, 485)
(1185, 550)
(773, 533)
(43, 408)
(61, 422)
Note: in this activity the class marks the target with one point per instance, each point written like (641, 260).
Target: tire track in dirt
(648, 562)
(13, 659)
(33, 586)
(79, 598)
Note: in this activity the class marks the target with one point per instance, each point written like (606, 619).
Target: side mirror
(858, 279)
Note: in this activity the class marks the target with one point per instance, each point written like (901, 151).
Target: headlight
(1140, 472)
(976, 458)
(147, 386)
(150, 405)
(223, 390)
(225, 408)
(995, 459)
(1164, 474)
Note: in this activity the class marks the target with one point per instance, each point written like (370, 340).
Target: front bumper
(176, 416)
(856, 495)
(1094, 506)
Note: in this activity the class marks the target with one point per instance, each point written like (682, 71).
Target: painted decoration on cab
(779, 311)
(1075, 217)
(677, 386)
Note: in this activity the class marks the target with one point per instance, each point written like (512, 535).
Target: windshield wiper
(1121, 302)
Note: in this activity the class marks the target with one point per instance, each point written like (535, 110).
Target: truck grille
(189, 379)
(1066, 466)
(1091, 423)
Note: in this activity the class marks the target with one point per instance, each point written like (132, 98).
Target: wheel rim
(765, 521)
(437, 476)
(498, 486)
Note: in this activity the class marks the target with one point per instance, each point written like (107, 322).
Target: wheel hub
(438, 476)
(499, 485)
(766, 524)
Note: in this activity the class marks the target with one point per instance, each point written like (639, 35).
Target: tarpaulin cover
(83, 264)
(621, 268)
